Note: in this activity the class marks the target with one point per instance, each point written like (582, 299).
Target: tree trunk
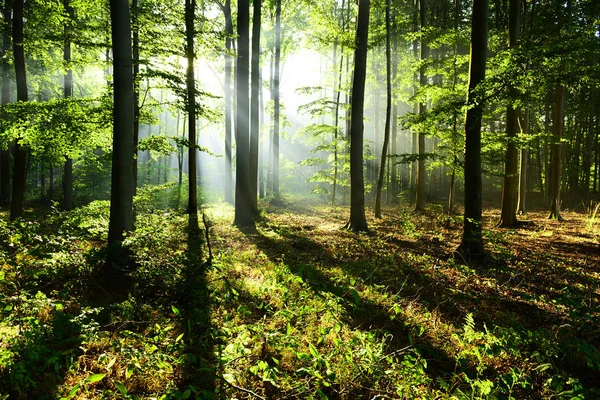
(136, 89)
(388, 109)
(254, 106)
(20, 158)
(228, 58)
(275, 145)
(523, 169)
(5, 153)
(190, 10)
(508, 216)
(243, 208)
(121, 197)
(420, 183)
(68, 93)
(556, 153)
(471, 245)
(358, 221)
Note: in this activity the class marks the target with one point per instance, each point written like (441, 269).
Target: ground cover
(299, 308)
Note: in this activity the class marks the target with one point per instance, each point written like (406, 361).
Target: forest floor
(299, 308)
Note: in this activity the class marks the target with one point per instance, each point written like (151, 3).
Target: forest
(300, 199)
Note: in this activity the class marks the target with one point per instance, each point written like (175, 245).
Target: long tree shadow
(193, 300)
(433, 288)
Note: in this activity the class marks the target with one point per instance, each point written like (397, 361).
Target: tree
(4, 151)
(508, 215)
(471, 245)
(121, 196)
(276, 102)
(243, 208)
(68, 93)
(388, 110)
(558, 127)
(20, 157)
(190, 10)
(358, 221)
(254, 107)
(420, 183)
(226, 8)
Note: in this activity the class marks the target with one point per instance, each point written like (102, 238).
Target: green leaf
(111, 363)
(175, 310)
(95, 378)
(73, 391)
(313, 350)
(355, 296)
(121, 388)
(186, 394)
(178, 338)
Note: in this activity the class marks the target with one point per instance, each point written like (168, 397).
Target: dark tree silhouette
(121, 196)
(358, 221)
(471, 245)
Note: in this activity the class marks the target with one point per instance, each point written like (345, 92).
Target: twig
(206, 233)
(241, 389)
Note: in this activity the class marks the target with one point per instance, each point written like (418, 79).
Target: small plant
(592, 224)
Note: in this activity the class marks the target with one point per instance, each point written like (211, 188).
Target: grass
(298, 308)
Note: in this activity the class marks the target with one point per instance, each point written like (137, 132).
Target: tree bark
(121, 197)
(557, 129)
(471, 245)
(523, 169)
(68, 93)
(20, 157)
(508, 215)
(190, 11)
(254, 107)
(420, 183)
(136, 89)
(228, 59)
(358, 221)
(243, 208)
(276, 72)
(388, 109)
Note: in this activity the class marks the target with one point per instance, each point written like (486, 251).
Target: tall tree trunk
(471, 245)
(523, 168)
(228, 62)
(243, 208)
(254, 106)
(5, 152)
(136, 89)
(508, 215)
(121, 196)
(190, 11)
(358, 221)
(420, 183)
(276, 72)
(388, 109)
(68, 93)
(557, 129)
(20, 166)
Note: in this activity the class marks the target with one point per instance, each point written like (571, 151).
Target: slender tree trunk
(243, 207)
(228, 62)
(276, 72)
(5, 153)
(254, 106)
(20, 158)
(508, 216)
(420, 199)
(337, 79)
(190, 11)
(471, 245)
(523, 169)
(136, 89)
(121, 205)
(68, 93)
(388, 109)
(556, 153)
(358, 221)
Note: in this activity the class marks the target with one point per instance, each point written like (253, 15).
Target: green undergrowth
(295, 309)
